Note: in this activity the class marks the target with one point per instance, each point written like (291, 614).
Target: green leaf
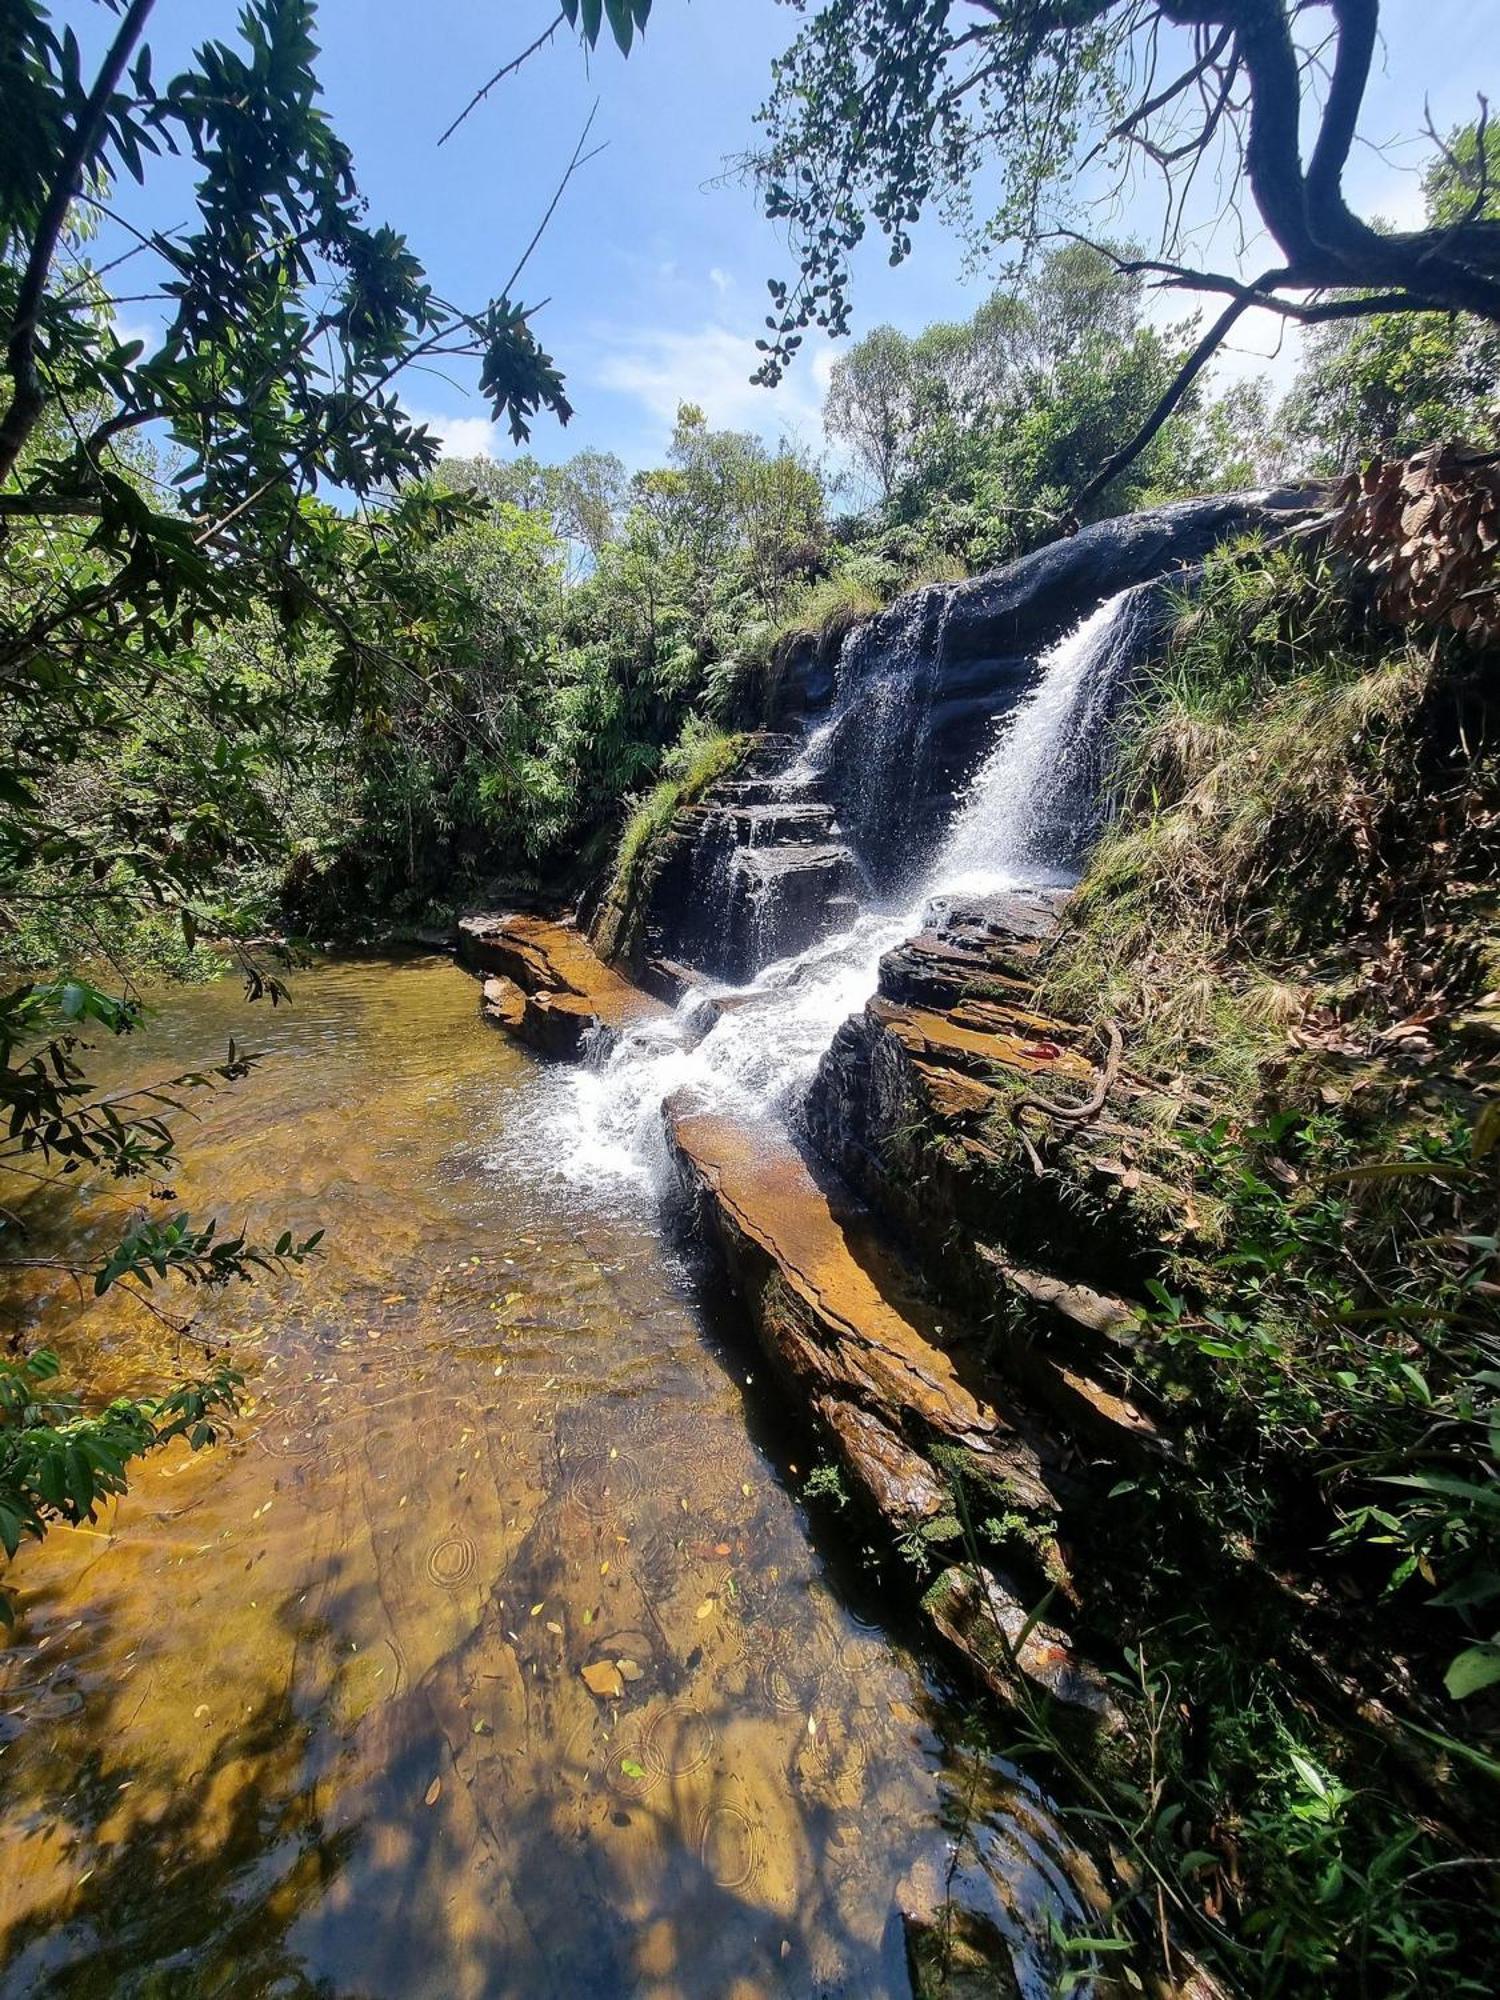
(1476, 1668)
(622, 22)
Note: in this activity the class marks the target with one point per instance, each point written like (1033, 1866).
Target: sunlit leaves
(58, 1464)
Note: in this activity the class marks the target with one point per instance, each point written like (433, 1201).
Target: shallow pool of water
(306, 1713)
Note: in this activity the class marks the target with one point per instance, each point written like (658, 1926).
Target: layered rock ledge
(545, 984)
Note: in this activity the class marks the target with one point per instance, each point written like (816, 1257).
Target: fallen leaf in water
(812, 1725)
(631, 1769)
(553, 1626)
(481, 1727)
(706, 1607)
(430, 1796)
(200, 1711)
(537, 1610)
(786, 1947)
(721, 1548)
(602, 1677)
(589, 1616)
(631, 1670)
(745, 1488)
(604, 1569)
(394, 1299)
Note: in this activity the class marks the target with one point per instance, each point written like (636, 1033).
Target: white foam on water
(598, 1127)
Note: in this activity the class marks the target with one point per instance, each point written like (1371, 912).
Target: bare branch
(507, 69)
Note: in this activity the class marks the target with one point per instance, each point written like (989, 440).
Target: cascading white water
(600, 1126)
(1004, 833)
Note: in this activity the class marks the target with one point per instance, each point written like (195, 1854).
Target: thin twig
(500, 74)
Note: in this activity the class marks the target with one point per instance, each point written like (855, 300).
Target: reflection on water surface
(307, 1715)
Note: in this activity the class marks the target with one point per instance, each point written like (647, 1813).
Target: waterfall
(1026, 816)
(1020, 823)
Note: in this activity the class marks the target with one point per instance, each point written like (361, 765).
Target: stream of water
(600, 1128)
(304, 1715)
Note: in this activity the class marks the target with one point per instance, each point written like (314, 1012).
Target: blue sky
(654, 264)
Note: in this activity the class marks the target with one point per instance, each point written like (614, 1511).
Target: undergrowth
(1293, 916)
(1297, 791)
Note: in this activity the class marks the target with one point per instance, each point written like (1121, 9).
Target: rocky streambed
(912, 1398)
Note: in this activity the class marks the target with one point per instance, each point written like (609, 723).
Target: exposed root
(1071, 1114)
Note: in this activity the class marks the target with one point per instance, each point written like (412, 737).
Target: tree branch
(500, 74)
(1357, 25)
(26, 400)
(1190, 370)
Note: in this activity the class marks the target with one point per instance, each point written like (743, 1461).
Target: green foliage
(880, 111)
(974, 434)
(701, 756)
(1274, 798)
(1396, 382)
(1291, 915)
(826, 1482)
(59, 1464)
(189, 627)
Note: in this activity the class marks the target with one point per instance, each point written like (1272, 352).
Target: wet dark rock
(754, 871)
(911, 1105)
(921, 685)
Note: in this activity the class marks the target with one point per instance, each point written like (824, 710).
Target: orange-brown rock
(836, 1328)
(1014, 1649)
(566, 991)
(846, 1330)
(913, 1104)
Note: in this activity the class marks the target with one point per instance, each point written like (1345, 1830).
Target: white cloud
(720, 280)
(662, 367)
(461, 437)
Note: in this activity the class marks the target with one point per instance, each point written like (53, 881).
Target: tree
(582, 499)
(1395, 382)
(870, 405)
(251, 470)
(882, 107)
(983, 428)
(734, 511)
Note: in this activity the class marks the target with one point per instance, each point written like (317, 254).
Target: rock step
(547, 985)
(780, 863)
(766, 792)
(841, 1324)
(766, 825)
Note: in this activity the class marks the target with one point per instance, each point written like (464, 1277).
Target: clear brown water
(304, 1715)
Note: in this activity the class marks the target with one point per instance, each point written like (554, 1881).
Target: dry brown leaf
(431, 1795)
